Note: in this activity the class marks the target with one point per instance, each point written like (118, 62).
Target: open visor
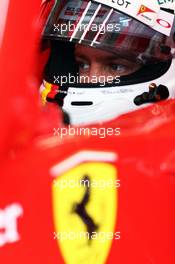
(97, 25)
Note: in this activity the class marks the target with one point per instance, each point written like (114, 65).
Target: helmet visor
(99, 26)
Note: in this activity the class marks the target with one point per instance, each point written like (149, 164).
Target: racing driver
(108, 59)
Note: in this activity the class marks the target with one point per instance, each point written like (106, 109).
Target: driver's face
(95, 62)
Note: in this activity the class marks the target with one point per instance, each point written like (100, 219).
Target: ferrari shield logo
(85, 209)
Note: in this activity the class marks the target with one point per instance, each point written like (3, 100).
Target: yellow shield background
(92, 187)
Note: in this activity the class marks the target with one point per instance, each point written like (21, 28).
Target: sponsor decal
(144, 9)
(149, 14)
(117, 4)
(85, 208)
(123, 3)
(169, 4)
(146, 13)
(9, 223)
(163, 23)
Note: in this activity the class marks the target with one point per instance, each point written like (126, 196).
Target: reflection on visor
(96, 25)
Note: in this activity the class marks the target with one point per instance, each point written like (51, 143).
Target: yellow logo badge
(85, 209)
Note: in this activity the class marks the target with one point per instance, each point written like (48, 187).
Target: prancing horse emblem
(80, 209)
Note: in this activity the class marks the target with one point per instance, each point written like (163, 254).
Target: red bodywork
(145, 164)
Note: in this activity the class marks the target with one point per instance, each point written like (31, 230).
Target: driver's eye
(83, 66)
(118, 67)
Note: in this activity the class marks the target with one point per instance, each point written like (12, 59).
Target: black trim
(168, 10)
(81, 103)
